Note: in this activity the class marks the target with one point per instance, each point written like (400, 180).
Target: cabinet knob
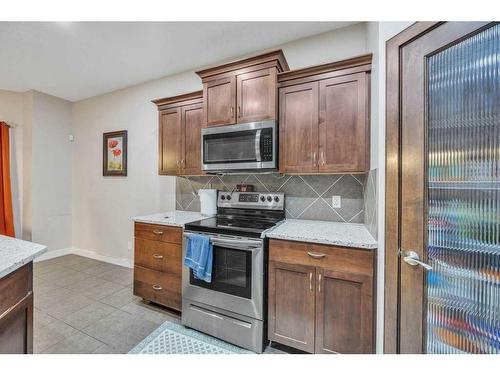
(157, 287)
(316, 255)
(157, 256)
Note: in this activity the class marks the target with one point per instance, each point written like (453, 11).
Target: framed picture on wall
(114, 160)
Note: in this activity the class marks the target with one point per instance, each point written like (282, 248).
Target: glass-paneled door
(450, 191)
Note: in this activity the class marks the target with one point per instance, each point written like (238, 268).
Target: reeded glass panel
(463, 289)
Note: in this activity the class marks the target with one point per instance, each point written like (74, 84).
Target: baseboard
(54, 254)
(129, 263)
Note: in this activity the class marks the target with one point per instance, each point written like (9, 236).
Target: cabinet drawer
(15, 286)
(335, 258)
(158, 232)
(159, 287)
(158, 256)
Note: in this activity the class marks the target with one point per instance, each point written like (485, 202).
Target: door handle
(158, 232)
(413, 259)
(322, 157)
(319, 283)
(157, 256)
(310, 281)
(157, 287)
(239, 111)
(315, 159)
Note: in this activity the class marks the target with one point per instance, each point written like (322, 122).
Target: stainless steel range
(231, 307)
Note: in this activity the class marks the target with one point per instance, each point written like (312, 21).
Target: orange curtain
(6, 214)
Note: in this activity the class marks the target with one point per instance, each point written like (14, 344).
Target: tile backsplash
(306, 197)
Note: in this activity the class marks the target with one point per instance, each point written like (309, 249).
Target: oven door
(239, 147)
(237, 276)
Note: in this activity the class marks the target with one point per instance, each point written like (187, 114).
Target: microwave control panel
(266, 145)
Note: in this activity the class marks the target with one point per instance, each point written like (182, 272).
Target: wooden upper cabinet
(343, 130)
(192, 116)
(242, 91)
(169, 143)
(291, 305)
(220, 101)
(256, 95)
(341, 124)
(298, 120)
(179, 136)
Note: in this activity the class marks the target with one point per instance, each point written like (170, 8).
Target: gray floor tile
(78, 343)
(41, 319)
(67, 306)
(100, 269)
(50, 298)
(150, 312)
(120, 298)
(50, 334)
(71, 279)
(85, 264)
(88, 315)
(104, 289)
(85, 284)
(106, 349)
(57, 274)
(47, 266)
(122, 276)
(121, 330)
(68, 260)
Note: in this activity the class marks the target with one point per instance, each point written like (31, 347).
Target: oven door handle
(257, 145)
(237, 244)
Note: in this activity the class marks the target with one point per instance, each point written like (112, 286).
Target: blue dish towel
(199, 254)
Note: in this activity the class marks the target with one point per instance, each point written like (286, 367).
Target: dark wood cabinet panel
(344, 313)
(192, 117)
(219, 102)
(343, 131)
(324, 118)
(291, 305)
(160, 287)
(338, 285)
(16, 311)
(179, 136)
(170, 138)
(299, 128)
(256, 95)
(157, 232)
(158, 256)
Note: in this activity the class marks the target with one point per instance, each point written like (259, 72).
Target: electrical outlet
(336, 202)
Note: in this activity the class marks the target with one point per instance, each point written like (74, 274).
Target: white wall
(378, 33)
(49, 170)
(11, 110)
(102, 206)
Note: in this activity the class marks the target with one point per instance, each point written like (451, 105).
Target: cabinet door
(344, 313)
(344, 141)
(299, 128)
(219, 100)
(256, 95)
(291, 305)
(192, 117)
(170, 138)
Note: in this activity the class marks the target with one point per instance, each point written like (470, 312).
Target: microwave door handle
(257, 145)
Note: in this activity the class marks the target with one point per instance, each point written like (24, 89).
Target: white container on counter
(208, 201)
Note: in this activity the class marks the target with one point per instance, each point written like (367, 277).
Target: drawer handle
(158, 232)
(316, 255)
(157, 287)
(157, 256)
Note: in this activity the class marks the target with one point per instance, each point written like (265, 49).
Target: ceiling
(78, 60)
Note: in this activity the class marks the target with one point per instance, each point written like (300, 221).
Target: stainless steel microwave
(241, 147)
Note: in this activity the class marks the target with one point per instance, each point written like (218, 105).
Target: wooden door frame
(392, 178)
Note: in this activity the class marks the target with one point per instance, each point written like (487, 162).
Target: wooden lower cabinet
(291, 305)
(322, 303)
(16, 311)
(158, 264)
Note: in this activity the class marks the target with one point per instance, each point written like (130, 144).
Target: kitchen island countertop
(15, 253)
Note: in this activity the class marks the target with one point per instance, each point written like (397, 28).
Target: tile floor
(86, 306)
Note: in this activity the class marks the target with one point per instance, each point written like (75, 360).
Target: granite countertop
(324, 232)
(172, 218)
(15, 253)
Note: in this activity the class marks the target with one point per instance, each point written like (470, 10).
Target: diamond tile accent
(307, 196)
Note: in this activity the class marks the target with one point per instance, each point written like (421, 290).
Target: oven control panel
(258, 200)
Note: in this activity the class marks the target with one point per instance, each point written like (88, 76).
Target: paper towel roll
(208, 201)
